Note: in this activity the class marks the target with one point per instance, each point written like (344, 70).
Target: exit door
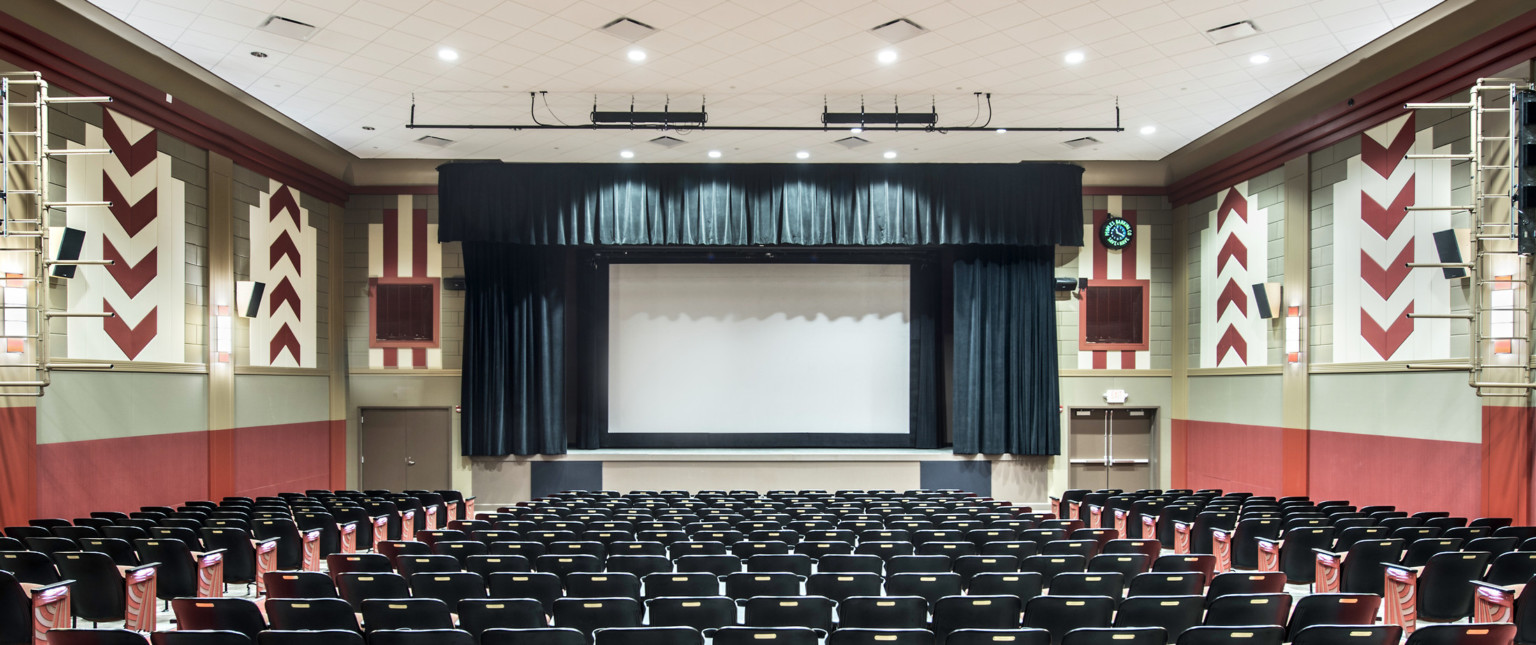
(404, 448)
(1111, 448)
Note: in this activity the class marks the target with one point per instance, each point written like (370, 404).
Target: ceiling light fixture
(802, 155)
(627, 154)
(714, 154)
(1074, 58)
(890, 154)
(1148, 129)
(447, 54)
(636, 55)
(887, 56)
(1002, 130)
(856, 130)
(1259, 59)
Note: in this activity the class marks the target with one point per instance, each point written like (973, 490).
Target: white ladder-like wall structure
(1499, 320)
(25, 311)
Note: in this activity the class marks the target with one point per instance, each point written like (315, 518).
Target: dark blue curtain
(513, 387)
(1033, 204)
(1006, 394)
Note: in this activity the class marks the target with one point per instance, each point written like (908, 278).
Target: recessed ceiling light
(259, 54)
(1148, 129)
(1074, 58)
(636, 55)
(856, 130)
(627, 154)
(1002, 130)
(887, 56)
(890, 154)
(369, 128)
(802, 155)
(714, 154)
(447, 54)
(1259, 59)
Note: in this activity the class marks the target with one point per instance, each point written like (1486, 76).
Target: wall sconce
(1502, 314)
(224, 332)
(1293, 334)
(16, 309)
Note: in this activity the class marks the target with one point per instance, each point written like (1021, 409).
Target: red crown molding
(1497, 49)
(1127, 191)
(69, 68)
(430, 189)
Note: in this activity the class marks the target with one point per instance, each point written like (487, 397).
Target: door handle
(410, 462)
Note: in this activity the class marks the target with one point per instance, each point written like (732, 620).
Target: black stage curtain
(1006, 391)
(1035, 204)
(514, 350)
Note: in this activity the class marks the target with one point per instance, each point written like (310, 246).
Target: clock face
(1116, 233)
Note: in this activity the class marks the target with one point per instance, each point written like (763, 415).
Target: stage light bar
(879, 118)
(649, 118)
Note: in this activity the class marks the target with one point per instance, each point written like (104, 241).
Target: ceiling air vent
(1081, 142)
(852, 142)
(668, 142)
(437, 142)
(288, 28)
(1234, 31)
(898, 30)
(627, 29)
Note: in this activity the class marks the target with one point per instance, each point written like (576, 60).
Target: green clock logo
(1116, 233)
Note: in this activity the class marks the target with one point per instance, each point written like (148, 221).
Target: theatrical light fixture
(714, 154)
(447, 54)
(627, 154)
(1148, 129)
(1293, 334)
(224, 334)
(802, 155)
(636, 55)
(928, 118)
(16, 327)
(887, 56)
(1258, 59)
(1074, 58)
(890, 154)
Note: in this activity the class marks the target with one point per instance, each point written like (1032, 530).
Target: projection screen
(759, 349)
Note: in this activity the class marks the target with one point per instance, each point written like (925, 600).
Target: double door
(1111, 448)
(404, 448)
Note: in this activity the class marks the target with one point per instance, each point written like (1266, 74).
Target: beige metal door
(1110, 448)
(404, 448)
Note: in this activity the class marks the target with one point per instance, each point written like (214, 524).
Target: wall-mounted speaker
(1066, 284)
(1452, 246)
(1266, 299)
(455, 283)
(248, 297)
(64, 246)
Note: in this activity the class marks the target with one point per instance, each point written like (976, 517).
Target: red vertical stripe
(391, 243)
(1100, 254)
(18, 464)
(419, 357)
(1127, 360)
(419, 247)
(389, 356)
(1100, 360)
(1128, 254)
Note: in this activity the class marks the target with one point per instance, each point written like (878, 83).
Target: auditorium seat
(814, 612)
(310, 614)
(647, 636)
(1464, 634)
(89, 637)
(1244, 582)
(588, 614)
(121, 551)
(742, 635)
(100, 591)
(1116, 636)
(930, 586)
(1173, 614)
(356, 588)
(881, 636)
(449, 587)
(542, 586)
(840, 585)
(200, 637)
(442, 636)
(234, 614)
(699, 612)
(299, 584)
(1059, 614)
(1248, 635)
(1016, 636)
(1444, 587)
(339, 563)
(1187, 583)
(1074, 583)
(1349, 635)
(903, 612)
(1249, 609)
(743, 585)
(405, 613)
(1128, 565)
(409, 565)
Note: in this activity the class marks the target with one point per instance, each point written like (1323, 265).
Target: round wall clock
(1116, 233)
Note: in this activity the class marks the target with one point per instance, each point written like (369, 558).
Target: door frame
(1153, 460)
(362, 416)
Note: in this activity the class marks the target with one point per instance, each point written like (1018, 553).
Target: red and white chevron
(1097, 264)
(283, 248)
(1233, 257)
(143, 233)
(1375, 238)
(404, 245)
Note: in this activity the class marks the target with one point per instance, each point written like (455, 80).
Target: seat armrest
(1265, 540)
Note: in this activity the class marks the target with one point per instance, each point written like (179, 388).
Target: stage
(1022, 480)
